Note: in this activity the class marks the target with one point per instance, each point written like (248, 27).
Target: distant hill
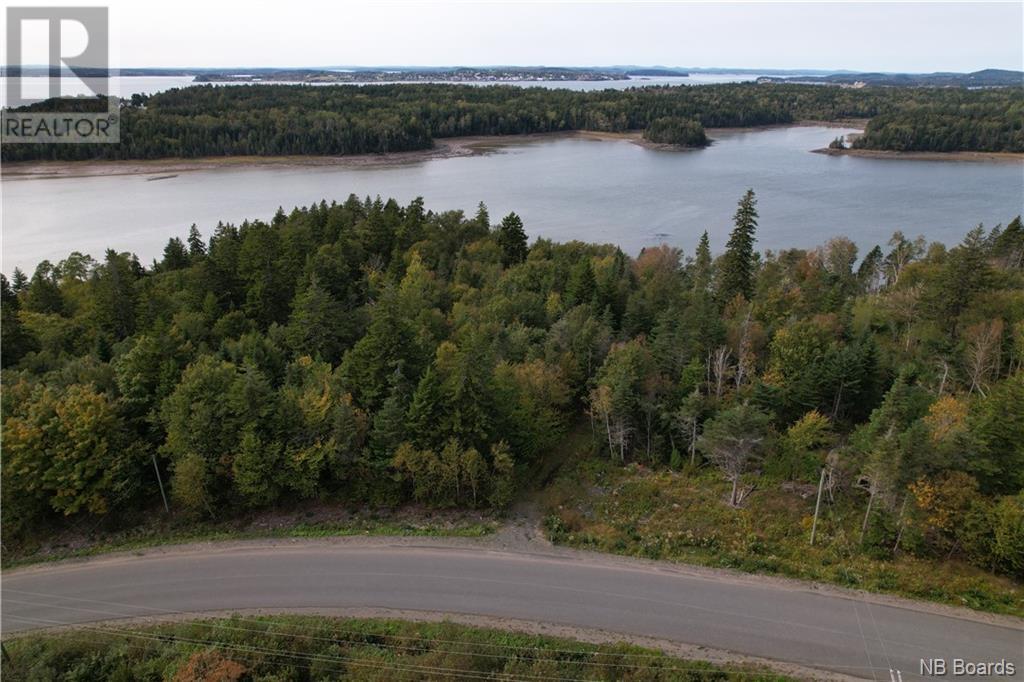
(986, 78)
(657, 73)
(360, 75)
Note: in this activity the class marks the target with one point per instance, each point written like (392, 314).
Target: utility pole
(817, 505)
(160, 482)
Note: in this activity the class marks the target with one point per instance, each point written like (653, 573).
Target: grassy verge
(661, 514)
(303, 648)
(314, 521)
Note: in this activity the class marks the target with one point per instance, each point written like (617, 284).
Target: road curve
(793, 625)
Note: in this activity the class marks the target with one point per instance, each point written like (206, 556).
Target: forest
(375, 354)
(946, 127)
(681, 132)
(269, 120)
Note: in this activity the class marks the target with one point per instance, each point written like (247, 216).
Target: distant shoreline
(978, 157)
(444, 148)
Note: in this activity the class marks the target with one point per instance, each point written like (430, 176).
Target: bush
(1008, 535)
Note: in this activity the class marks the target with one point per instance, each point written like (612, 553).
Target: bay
(564, 188)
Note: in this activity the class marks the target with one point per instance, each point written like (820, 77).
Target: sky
(878, 36)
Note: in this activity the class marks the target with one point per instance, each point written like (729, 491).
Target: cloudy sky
(921, 36)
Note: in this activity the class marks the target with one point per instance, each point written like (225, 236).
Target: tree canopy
(269, 120)
(379, 354)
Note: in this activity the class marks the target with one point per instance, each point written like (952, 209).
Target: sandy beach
(986, 157)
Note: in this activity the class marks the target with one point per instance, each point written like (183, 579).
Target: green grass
(178, 531)
(660, 514)
(299, 648)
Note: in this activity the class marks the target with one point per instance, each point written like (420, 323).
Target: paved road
(758, 619)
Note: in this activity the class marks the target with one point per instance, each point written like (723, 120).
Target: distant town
(986, 78)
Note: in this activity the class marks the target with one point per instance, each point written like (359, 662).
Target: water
(564, 188)
(37, 87)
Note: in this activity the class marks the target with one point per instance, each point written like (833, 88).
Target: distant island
(402, 74)
(453, 75)
(657, 73)
(986, 78)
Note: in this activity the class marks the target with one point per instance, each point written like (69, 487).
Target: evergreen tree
(114, 292)
(483, 217)
(43, 294)
(737, 273)
(581, 287)
(253, 469)
(390, 339)
(466, 389)
(511, 237)
(316, 326)
(965, 275)
(869, 273)
(16, 340)
(389, 422)
(19, 281)
(1009, 246)
(175, 255)
(703, 274)
(427, 411)
(196, 246)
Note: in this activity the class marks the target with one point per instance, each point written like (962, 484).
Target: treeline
(996, 124)
(268, 120)
(378, 353)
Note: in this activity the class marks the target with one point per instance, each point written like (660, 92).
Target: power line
(401, 667)
(534, 651)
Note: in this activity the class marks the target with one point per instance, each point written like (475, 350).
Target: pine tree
(869, 274)
(43, 294)
(16, 340)
(19, 281)
(582, 286)
(1008, 246)
(196, 246)
(483, 217)
(426, 411)
(114, 295)
(702, 272)
(702, 322)
(389, 421)
(738, 263)
(390, 338)
(316, 324)
(175, 255)
(511, 237)
(966, 274)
